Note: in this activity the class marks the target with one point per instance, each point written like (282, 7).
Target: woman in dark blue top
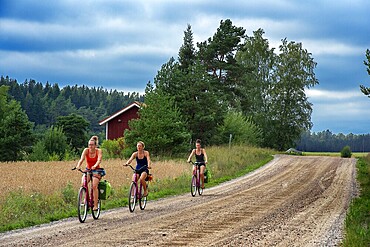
(201, 157)
(142, 163)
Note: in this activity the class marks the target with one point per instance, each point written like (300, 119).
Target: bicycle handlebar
(142, 168)
(79, 169)
(196, 163)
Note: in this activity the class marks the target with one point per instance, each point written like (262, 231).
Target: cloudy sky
(122, 44)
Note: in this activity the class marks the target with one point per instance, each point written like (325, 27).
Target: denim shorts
(100, 172)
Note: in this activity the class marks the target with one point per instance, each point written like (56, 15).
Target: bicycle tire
(143, 199)
(82, 206)
(200, 190)
(96, 214)
(193, 186)
(132, 197)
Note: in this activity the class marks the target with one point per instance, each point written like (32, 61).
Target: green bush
(69, 193)
(114, 148)
(38, 152)
(346, 152)
(55, 143)
(242, 129)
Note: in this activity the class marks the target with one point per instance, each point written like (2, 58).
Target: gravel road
(291, 201)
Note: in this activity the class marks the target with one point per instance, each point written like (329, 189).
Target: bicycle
(136, 193)
(195, 180)
(86, 201)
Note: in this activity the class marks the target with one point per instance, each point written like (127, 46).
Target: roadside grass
(335, 154)
(22, 206)
(357, 223)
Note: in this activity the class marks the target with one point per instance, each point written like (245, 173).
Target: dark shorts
(143, 169)
(200, 164)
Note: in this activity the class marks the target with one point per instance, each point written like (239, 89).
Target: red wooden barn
(116, 124)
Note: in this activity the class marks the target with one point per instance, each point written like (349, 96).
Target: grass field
(39, 192)
(50, 177)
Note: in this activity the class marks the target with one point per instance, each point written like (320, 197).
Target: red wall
(117, 125)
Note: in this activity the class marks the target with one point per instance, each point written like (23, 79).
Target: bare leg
(143, 183)
(202, 168)
(95, 192)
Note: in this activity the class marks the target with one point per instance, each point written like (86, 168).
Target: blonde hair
(95, 139)
(142, 143)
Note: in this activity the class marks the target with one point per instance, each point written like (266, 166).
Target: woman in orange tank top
(93, 156)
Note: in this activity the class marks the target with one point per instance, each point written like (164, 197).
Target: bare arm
(191, 155)
(133, 156)
(83, 155)
(148, 158)
(205, 156)
(100, 155)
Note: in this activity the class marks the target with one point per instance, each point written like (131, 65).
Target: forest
(326, 141)
(230, 87)
(44, 103)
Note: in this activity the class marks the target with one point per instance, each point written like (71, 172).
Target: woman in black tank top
(142, 163)
(200, 156)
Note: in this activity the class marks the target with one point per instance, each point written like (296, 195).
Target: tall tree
(187, 50)
(218, 55)
(258, 61)
(15, 128)
(290, 110)
(194, 90)
(74, 127)
(366, 90)
(160, 125)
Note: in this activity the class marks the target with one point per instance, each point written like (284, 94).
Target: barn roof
(133, 104)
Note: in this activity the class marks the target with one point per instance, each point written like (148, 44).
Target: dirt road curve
(292, 201)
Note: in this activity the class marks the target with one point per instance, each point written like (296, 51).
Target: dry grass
(48, 177)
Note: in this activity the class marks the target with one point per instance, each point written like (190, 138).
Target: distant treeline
(326, 141)
(44, 103)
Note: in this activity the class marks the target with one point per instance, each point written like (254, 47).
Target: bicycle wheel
(193, 187)
(132, 197)
(96, 214)
(142, 199)
(200, 189)
(82, 205)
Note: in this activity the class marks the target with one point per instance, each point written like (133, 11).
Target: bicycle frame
(89, 198)
(86, 202)
(195, 185)
(138, 191)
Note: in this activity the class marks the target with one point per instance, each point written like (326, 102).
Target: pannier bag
(104, 188)
(149, 177)
(207, 175)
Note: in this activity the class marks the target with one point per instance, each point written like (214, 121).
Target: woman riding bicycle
(142, 163)
(201, 157)
(93, 156)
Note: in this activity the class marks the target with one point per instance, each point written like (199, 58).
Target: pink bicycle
(136, 193)
(195, 180)
(86, 201)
